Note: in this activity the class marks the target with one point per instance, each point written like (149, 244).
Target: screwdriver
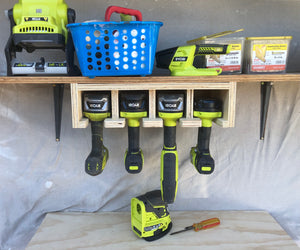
(206, 224)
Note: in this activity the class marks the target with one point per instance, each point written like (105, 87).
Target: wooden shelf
(152, 79)
(224, 85)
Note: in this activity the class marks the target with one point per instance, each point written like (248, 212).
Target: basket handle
(121, 10)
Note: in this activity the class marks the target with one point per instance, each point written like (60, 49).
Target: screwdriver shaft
(201, 225)
(186, 229)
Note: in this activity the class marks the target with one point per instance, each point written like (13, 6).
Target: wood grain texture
(152, 122)
(151, 79)
(114, 123)
(111, 230)
(226, 91)
(190, 123)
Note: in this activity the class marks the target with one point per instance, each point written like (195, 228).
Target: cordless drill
(96, 107)
(133, 107)
(170, 109)
(207, 110)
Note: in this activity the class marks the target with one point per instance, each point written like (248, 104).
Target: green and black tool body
(206, 109)
(150, 218)
(133, 107)
(170, 109)
(41, 25)
(96, 107)
(181, 61)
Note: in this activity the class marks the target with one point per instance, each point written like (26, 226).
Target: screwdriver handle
(206, 224)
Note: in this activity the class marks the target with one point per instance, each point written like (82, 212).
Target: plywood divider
(78, 121)
(189, 120)
(229, 103)
(152, 121)
(115, 121)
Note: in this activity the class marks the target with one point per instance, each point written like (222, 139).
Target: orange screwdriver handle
(206, 224)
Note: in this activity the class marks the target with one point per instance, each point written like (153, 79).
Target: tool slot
(223, 96)
(172, 105)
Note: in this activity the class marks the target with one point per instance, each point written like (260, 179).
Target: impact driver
(170, 109)
(207, 110)
(96, 107)
(133, 107)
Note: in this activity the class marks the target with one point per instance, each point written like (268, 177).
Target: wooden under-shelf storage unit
(191, 86)
(223, 86)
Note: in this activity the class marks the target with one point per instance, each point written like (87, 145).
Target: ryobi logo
(133, 105)
(95, 105)
(30, 19)
(180, 59)
(171, 105)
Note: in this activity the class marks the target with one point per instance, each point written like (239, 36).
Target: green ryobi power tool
(133, 107)
(41, 25)
(36, 25)
(207, 110)
(170, 109)
(181, 61)
(96, 107)
(150, 218)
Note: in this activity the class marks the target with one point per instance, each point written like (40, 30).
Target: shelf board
(150, 79)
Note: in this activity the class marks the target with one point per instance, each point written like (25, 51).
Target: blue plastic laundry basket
(115, 48)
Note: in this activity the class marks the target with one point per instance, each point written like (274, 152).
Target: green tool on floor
(150, 218)
(207, 110)
(181, 61)
(96, 107)
(170, 109)
(133, 107)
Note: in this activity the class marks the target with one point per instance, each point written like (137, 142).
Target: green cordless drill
(133, 107)
(170, 109)
(207, 110)
(96, 107)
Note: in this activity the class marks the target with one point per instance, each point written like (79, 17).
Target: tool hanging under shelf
(96, 107)
(207, 109)
(41, 25)
(170, 107)
(133, 107)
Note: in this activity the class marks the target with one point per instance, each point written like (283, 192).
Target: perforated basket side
(106, 49)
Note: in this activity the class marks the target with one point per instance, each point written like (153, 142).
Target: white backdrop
(39, 175)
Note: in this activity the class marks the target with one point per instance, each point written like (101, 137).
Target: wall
(39, 175)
